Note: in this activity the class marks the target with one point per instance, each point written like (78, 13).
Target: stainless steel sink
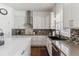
(56, 38)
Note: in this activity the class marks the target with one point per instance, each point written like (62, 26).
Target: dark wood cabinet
(39, 51)
(55, 51)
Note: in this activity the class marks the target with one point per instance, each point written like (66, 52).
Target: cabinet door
(42, 22)
(52, 21)
(55, 51)
(75, 14)
(66, 15)
(35, 22)
(47, 22)
(49, 46)
(38, 41)
(38, 22)
(59, 16)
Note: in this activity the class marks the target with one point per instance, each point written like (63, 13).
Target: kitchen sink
(56, 38)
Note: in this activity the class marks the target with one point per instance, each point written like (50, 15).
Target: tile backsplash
(74, 32)
(18, 31)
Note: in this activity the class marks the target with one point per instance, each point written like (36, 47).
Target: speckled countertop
(67, 47)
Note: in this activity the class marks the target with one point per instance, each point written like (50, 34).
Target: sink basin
(1, 42)
(56, 38)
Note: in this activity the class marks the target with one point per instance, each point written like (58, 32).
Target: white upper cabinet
(47, 22)
(63, 17)
(52, 21)
(41, 20)
(67, 17)
(75, 15)
(59, 16)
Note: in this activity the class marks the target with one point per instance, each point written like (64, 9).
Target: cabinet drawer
(38, 40)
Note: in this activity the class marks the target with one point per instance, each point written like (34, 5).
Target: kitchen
(39, 29)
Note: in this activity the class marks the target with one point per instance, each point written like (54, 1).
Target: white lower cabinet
(65, 49)
(38, 41)
(49, 46)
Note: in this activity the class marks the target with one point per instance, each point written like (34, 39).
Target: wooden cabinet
(39, 51)
(56, 51)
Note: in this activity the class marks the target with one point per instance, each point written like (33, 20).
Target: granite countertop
(67, 47)
(29, 35)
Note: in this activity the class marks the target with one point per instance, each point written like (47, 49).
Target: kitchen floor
(39, 51)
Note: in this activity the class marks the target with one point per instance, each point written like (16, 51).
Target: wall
(6, 21)
(19, 19)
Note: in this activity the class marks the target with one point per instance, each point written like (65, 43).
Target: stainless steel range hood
(29, 19)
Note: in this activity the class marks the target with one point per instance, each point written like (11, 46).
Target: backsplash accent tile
(74, 32)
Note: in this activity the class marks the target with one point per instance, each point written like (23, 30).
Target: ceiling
(31, 6)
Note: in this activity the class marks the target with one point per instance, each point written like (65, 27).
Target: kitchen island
(16, 46)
